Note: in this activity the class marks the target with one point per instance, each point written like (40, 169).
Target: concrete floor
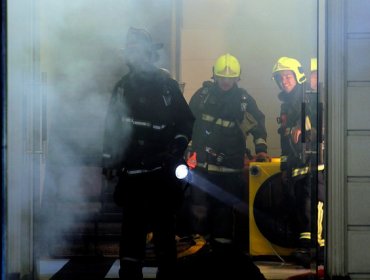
(272, 270)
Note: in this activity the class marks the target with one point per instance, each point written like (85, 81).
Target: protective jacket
(223, 121)
(147, 118)
(298, 112)
(292, 154)
(298, 152)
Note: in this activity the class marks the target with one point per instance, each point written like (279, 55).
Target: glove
(296, 133)
(192, 160)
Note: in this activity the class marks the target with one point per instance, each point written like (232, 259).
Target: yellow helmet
(288, 63)
(313, 64)
(227, 66)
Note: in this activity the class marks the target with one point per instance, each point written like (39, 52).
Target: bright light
(181, 171)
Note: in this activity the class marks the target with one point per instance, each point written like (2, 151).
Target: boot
(302, 255)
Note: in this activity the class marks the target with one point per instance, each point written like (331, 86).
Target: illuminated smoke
(219, 194)
(80, 59)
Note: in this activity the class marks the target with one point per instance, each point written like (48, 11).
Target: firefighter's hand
(192, 160)
(262, 157)
(296, 133)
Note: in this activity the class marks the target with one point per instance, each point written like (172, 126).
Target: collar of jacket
(295, 96)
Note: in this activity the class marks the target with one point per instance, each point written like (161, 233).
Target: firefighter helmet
(288, 63)
(141, 37)
(139, 46)
(313, 64)
(227, 66)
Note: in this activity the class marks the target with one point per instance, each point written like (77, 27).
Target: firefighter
(225, 115)
(298, 167)
(314, 98)
(148, 126)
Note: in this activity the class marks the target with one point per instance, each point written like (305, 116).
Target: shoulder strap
(204, 93)
(248, 121)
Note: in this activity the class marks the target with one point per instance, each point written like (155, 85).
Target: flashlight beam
(218, 193)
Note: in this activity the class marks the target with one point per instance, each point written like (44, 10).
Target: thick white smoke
(81, 55)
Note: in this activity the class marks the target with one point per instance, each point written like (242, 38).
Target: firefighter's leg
(164, 228)
(321, 217)
(302, 191)
(133, 240)
(303, 254)
(130, 269)
(241, 214)
(165, 247)
(303, 211)
(132, 249)
(222, 228)
(199, 211)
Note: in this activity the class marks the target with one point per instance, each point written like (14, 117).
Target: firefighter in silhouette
(225, 115)
(315, 99)
(147, 128)
(298, 137)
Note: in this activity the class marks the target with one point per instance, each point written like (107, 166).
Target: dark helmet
(140, 38)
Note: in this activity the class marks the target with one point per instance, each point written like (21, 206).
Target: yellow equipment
(270, 230)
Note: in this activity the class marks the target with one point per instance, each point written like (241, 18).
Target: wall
(348, 71)
(357, 100)
(24, 148)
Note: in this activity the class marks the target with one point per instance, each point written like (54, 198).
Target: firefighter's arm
(183, 120)
(178, 145)
(296, 132)
(258, 131)
(250, 125)
(112, 142)
(256, 124)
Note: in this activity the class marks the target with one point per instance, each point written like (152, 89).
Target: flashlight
(181, 171)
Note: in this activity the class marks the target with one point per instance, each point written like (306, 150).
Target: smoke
(219, 194)
(81, 57)
(80, 52)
